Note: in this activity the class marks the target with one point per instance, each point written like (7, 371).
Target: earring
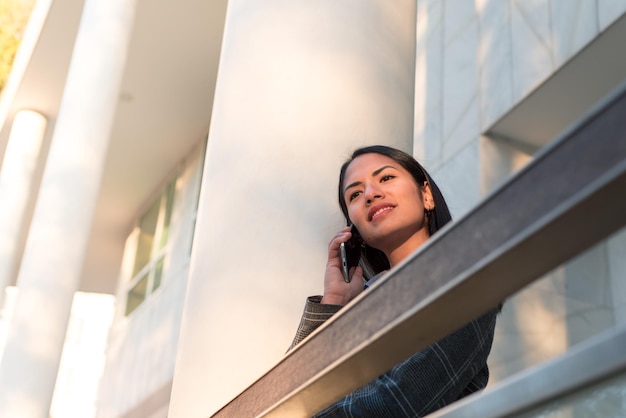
(427, 215)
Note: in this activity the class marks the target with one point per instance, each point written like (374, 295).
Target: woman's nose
(372, 192)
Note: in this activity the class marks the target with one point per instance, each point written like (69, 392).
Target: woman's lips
(378, 211)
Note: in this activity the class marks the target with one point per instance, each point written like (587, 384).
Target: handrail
(590, 362)
(570, 197)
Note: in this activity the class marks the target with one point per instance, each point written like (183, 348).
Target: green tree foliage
(13, 18)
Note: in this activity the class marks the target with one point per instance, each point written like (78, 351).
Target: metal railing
(595, 361)
(571, 196)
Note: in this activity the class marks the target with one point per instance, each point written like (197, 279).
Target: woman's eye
(386, 177)
(353, 196)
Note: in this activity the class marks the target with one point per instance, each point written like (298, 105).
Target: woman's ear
(427, 197)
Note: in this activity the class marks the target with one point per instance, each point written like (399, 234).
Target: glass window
(147, 230)
(137, 294)
(168, 198)
(150, 255)
(158, 272)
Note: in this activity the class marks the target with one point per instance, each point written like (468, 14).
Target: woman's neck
(397, 254)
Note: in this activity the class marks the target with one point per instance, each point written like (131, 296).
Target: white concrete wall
(300, 85)
(53, 257)
(83, 359)
(142, 347)
(293, 99)
(616, 251)
(474, 61)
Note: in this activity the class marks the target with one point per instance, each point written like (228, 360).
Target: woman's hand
(336, 290)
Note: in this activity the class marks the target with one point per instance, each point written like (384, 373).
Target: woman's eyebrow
(374, 174)
(377, 172)
(356, 183)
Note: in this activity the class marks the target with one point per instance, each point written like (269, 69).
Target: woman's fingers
(342, 236)
(336, 290)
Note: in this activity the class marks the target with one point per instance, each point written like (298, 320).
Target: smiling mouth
(380, 212)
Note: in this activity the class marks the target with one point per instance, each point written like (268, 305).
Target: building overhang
(163, 111)
(569, 93)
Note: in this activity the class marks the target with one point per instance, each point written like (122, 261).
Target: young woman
(395, 207)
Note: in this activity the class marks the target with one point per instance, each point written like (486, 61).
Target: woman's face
(385, 203)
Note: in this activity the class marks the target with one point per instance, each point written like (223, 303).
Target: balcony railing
(589, 367)
(571, 196)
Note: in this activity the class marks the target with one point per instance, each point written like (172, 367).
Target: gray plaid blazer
(442, 373)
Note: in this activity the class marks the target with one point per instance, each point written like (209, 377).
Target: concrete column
(300, 85)
(16, 182)
(53, 257)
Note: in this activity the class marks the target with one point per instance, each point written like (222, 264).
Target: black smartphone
(350, 254)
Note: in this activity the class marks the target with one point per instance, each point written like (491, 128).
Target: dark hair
(373, 260)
